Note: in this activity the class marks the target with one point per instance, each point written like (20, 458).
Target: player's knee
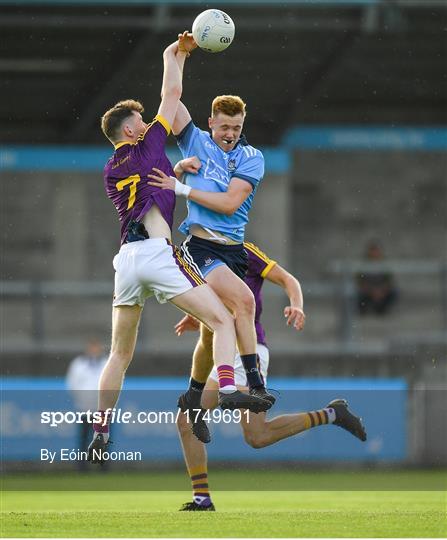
(120, 360)
(221, 319)
(246, 304)
(255, 440)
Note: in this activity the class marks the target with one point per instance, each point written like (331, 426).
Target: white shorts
(240, 377)
(151, 267)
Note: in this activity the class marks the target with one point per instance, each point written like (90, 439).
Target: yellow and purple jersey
(259, 265)
(126, 181)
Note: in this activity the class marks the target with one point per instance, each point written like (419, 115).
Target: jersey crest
(231, 165)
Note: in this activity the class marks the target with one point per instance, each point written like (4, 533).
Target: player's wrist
(181, 190)
(171, 49)
(182, 51)
(178, 169)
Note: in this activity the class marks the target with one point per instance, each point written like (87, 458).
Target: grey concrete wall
(56, 226)
(342, 199)
(269, 225)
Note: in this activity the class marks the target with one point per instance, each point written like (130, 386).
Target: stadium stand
(294, 64)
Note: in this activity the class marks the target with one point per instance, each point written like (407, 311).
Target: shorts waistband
(147, 242)
(215, 245)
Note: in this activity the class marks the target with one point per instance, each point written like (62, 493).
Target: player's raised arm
(182, 117)
(181, 120)
(174, 57)
(294, 312)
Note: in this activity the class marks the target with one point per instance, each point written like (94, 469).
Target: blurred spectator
(82, 382)
(376, 291)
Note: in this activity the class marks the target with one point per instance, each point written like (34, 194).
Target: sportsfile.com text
(118, 416)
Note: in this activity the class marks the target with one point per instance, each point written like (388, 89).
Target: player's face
(134, 126)
(226, 130)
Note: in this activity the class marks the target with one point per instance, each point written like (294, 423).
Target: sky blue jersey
(218, 168)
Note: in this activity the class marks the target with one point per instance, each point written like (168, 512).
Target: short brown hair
(113, 118)
(229, 105)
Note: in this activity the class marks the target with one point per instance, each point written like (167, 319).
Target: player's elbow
(286, 281)
(224, 209)
(173, 91)
(289, 281)
(230, 207)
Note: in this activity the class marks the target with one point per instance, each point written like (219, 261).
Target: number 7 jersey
(126, 181)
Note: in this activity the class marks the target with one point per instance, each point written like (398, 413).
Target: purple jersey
(125, 176)
(259, 265)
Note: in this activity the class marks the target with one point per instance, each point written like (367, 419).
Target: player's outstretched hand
(186, 42)
(295, 317)
(162, 180)
(187, 324)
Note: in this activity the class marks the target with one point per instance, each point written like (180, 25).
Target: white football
(213, 30)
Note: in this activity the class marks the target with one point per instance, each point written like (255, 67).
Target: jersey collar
(121, 144)
(242, 140)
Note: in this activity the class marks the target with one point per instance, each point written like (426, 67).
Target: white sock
(228, 389)
(330, 414)
(200, 500)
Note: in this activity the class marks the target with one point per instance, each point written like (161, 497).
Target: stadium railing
(337, 296)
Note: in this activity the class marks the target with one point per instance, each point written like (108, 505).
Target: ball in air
(213, 30)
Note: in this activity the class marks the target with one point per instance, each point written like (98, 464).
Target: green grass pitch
(359, 512)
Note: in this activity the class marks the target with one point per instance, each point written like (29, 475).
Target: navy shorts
(205, 255)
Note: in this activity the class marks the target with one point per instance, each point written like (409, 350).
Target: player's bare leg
(260, 432)
(237, 296)
(125, 320)
(239, 299)
(202, 360)
(203, 304)
(209, 396)
(202, 364)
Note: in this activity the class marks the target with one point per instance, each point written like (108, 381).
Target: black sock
(250, 363)
(195, 390)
